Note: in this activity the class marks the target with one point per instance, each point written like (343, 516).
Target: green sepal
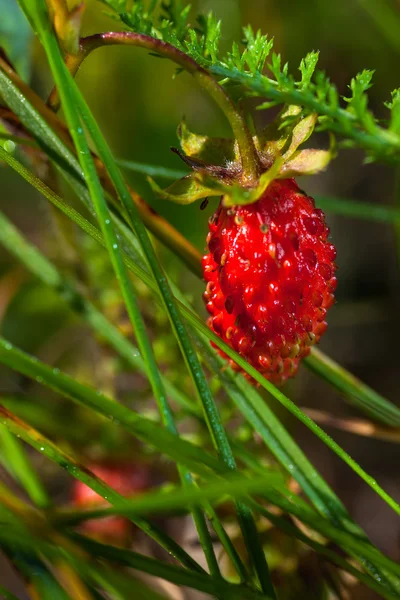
(274, 137)
(214, 151)
(309, 161)
(190, 188)
(306, 162)
(236, 194)
(216, 161)
(300, 134)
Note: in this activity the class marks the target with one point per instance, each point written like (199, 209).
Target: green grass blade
(386, 19)
(195, 581)
(358, 210)
(346, 207)
(181, 451)
(18, 464)
(112, 244)
(357, 393)
(292, 408)
(151, 170)
(172, 573)
(6, 594)
(218, 491)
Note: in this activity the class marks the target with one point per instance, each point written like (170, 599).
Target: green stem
(248, 154)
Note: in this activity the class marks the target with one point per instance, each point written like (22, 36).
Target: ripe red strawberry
(270, 278)
(127, 480)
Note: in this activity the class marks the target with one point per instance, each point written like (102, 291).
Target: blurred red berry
(127, 480)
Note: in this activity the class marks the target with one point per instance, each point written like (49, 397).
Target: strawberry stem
(247, 150)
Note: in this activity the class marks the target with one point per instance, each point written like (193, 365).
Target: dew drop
(115, 246)
(331, 252)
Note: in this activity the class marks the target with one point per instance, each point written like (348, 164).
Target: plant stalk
(248, 153)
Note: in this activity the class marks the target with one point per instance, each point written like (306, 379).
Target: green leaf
(307, 68)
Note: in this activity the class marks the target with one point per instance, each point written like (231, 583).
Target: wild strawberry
(270, 278)
(127, 480)
(270, 269)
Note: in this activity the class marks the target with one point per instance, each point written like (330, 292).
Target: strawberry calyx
(217, 169)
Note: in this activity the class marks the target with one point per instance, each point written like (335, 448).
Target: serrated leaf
(394, 107)
(307, 68)
(186, 190)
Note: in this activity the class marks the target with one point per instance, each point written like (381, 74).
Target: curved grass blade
(347, 207)
(357, 393)
(17, 463)
(181, 451)
(172, 573)
(218, 491)
(358, 210)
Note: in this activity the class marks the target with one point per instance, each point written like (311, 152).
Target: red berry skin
(270, 276)
(125, 479)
